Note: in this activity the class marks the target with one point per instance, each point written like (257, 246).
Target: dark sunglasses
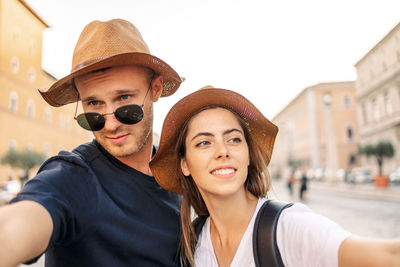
(129, 114)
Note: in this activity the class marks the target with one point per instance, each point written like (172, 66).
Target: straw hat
(106, 44)
(163, 165)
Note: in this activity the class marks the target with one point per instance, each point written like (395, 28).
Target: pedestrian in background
(303, 186)
(214, 150)
(99, 205)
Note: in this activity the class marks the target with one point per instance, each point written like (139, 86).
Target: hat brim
(64, 92)
(164, 163)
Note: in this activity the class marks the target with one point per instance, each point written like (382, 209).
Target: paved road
(363, 211)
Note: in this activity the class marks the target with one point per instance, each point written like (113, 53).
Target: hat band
(88, 62)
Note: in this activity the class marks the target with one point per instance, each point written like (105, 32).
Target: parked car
(360, 176)
(394, 177)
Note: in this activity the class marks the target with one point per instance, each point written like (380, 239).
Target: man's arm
(25, 231)
(365, 252)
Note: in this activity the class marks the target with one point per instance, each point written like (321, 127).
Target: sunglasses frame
(110, 113)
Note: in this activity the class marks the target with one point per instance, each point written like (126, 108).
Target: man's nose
(111, 123)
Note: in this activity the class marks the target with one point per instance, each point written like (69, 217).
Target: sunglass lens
(91, 121)
(129, 114)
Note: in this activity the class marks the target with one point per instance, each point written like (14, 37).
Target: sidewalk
(363, 191)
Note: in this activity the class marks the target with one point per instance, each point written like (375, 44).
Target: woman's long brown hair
(258, 183)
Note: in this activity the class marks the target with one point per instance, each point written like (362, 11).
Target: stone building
(378, 95)
(319, 129)
(27, 121)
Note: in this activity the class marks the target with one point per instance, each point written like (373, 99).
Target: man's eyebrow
(89, 98)
(117, 91)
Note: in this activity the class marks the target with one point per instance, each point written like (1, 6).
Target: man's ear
(184, 167)
(156, 88)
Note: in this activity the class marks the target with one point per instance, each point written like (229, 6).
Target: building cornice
(34, 13)
(375, 47)
(318, 86)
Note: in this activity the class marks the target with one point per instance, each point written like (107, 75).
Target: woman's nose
(221, 151)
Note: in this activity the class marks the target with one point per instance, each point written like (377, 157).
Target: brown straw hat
(165, 161)
(105, 44)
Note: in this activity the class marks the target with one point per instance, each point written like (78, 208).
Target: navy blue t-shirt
(104, 212)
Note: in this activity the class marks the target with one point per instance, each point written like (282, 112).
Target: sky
(268, 51)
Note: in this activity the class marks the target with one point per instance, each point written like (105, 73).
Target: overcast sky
(269, 51)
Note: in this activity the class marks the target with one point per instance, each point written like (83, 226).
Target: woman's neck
(229, 219)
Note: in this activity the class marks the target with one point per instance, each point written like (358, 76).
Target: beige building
(378, 95)
(27, 121)
(319, 128)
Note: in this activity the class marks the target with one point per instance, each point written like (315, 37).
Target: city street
(363, 210)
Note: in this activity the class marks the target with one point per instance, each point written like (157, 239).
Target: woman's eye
(235, 140)
(202, 143)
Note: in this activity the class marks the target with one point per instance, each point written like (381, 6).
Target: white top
(304, 239)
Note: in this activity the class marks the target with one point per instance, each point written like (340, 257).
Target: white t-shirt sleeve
(307, 239)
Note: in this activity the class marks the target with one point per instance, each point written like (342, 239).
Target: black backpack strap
(265, 247)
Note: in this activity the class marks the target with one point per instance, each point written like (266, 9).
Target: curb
(363, 191)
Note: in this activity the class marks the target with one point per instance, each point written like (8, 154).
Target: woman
(214, 150)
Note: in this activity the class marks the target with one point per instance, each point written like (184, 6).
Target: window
(46, 150)
(327, 99)
(364, 114)
(31, 74)
(375, 109)
(14, 65)
(47, 115)
(31, 108)
(12, 145)
(388, 104)
(349, 134)
(346, 101)
(16, 33)
(13, 101)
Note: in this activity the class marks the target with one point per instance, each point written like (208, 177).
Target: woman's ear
(184, 167)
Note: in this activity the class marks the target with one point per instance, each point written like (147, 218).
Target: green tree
(379, 151)
(26, 160)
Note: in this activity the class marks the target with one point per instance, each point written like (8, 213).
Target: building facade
(318, 129)
(378, 95)
(27, 121)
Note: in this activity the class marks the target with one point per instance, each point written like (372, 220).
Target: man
(99, 205)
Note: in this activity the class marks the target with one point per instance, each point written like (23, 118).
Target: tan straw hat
(165, 162)
(106, 44)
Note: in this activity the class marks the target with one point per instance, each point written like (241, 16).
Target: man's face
(105, 91)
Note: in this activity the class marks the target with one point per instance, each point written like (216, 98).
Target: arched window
(31, 74)
(14, 65)
(31, 108)
(47, 115)
(13, 101)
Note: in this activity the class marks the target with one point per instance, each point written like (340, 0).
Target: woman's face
(217, 154)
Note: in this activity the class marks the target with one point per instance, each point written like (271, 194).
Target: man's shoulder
(79, 157)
